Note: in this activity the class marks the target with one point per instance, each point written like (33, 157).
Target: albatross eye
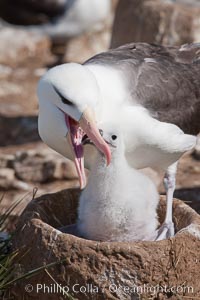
(63, 99)
(114, 137)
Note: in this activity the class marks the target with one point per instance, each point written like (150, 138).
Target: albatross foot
(165, 231)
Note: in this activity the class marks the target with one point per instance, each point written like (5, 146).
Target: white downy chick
(119, 203)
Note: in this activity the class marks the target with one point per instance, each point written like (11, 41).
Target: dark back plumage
(165, 80)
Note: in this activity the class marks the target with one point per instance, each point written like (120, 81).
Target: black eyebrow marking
(63, 99)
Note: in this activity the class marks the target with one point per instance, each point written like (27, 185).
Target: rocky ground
(157, 21)
(25, 162)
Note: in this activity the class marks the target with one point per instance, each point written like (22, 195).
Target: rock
(18, 130)
(104, 270)
(8, 89)
(188, 175)
(90, 44)
(43, 166)
(5, 71)
(191, 196)
(7, 174)
(34, 166)
(18, 47)
(8, 180)
(40, 72)
(156, 21)
(65, 169)
(95, 41)
(196, 152)
(6, 160)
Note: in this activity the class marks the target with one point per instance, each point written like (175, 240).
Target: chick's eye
(114, 137)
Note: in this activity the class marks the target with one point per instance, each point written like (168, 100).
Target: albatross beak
(87, 124)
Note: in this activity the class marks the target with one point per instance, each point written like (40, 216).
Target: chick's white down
(119, 203)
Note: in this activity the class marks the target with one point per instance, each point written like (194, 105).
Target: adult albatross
(161, 82)
(60, 19)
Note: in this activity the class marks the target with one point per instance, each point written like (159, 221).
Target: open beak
(86, 125)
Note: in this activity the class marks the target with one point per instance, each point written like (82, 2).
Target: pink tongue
(76, 134)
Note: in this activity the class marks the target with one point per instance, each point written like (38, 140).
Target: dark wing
(32, 12)
(187, 53)
(165, 80)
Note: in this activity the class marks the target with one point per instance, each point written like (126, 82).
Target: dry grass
(8, 258)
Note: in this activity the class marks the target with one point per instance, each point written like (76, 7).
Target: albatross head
(68, 95)
(112, 134)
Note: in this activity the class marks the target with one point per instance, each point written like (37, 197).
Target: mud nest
(167, 269)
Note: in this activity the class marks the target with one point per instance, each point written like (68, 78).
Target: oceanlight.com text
(113, 289)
